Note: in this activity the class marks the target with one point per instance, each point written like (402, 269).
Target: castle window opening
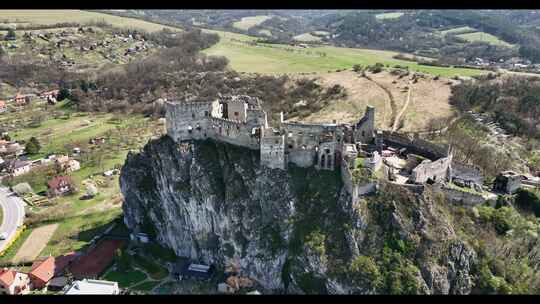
(205, 113)
(192, 115)
(363, 133)
(323, 158)
(290, 146)
(327, 151)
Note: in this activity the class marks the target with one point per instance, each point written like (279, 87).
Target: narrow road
(393, 105)
(13, 210)
(398, 117)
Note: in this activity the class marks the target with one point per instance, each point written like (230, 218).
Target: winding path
(398, 117)
(13, 210)
(390, 96)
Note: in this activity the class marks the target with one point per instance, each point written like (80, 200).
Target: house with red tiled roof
(13, 282)
(3, 106)
(42, 272)
(60, 185)
(21, 100)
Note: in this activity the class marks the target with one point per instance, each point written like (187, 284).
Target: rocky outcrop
(292, 231)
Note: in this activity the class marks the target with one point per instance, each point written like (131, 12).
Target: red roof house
(3, 106)
(60, 185)
(42, 272)
(13, 282)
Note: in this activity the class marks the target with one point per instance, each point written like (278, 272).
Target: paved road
(13, 211)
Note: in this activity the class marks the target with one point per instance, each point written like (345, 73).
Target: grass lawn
(389, 15)
(57, 16)
(12, 251)
(155, 271)
(125, 279)
(276, 60)
(247, 22)
(146, 286)
(75, 232)
(484, 37)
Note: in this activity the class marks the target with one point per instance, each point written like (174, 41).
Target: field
(389, 15)
(429, 99)
(307, 37)
(278, 59)
(56, 16)
(247, 22)
(484, 37)
(35, 243)
(458, 30)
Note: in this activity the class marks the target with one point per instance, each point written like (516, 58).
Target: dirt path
(35, 243)
(400, 114)
(393, 105)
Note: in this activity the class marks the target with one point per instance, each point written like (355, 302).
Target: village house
(97, 141)
(184, 270)
(42, 272)
(49, 94)
(18, 167)
(3, 106)
(21, 100)
(13, 282)
(66, 164)
(60, 185)
(93, 287)
(10, 148)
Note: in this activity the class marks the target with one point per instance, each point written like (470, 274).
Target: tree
(91, 190)
(11, 35)
(33, 146)
(365, 272)
(63, 94)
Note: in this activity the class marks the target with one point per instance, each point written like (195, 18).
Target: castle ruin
(358, 150)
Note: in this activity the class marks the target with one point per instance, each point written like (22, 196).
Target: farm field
(56, 16)
(278, 59)
(458, 30)
(484, 37)
(248, 22)
(307, 37)
(389, 15)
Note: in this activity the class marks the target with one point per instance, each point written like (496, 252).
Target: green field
(307, 37)
(389, 15)
(247, 22)
(276, 60)
(484, 37)
(458, 30)
(56, 16)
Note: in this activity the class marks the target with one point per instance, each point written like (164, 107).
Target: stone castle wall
(273, 151)
(415, 145)
(435, 170)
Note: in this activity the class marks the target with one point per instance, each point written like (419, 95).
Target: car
(3, 236)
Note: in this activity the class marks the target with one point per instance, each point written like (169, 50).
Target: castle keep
(240, 120)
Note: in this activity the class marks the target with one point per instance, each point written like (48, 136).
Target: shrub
(528, 201)
(365, 272)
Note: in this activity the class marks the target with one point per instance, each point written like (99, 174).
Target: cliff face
(293, 230)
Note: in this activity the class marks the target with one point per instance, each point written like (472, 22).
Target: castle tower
(365, 127)
(273, 151)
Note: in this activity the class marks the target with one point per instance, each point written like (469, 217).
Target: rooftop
(43, 269)
(87, 286)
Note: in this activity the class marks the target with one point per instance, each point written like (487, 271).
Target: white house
(19, 167)
(93, 287)
(13, 282)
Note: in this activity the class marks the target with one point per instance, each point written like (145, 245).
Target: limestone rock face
(291, 231)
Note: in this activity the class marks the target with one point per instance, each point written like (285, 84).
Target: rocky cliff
(293, 231)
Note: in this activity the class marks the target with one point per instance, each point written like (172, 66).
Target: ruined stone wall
(374, 163)
(273, 151)
(326, 156)
(187, 120)
(236, 110)
(460, 197)
(438, 170)
(302, 142)
(365, 128)
(415, 145)
(234, 132)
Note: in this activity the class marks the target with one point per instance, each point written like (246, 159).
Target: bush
(528, 201)
(365, 272)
